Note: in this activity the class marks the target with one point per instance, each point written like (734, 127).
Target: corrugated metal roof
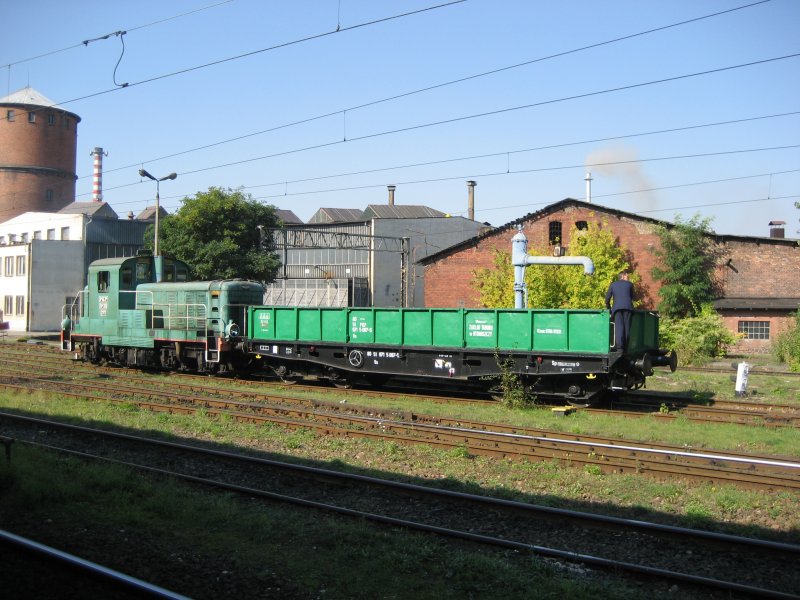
(288, 216)
(149, 213)
(28, 95)
(95, 209)
(337, 215)
(400, 211)
(757, 304)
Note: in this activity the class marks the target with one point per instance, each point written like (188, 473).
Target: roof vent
(776, 229)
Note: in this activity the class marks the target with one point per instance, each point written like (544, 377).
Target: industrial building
(757, 275)
(354, 257)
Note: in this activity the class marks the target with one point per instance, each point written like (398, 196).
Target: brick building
(38, 142)
(757, 274)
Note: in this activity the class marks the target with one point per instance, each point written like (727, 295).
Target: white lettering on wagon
(561, 363)
(480, 329)
(549, 331)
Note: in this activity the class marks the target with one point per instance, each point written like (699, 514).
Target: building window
(25, 238)
(8, 305)
(10, 115)
(51, 234)
(754, 330)
(51, 119)
(581, 225)
(48, 195)
(20, 305)
(9, 272)
(31, 117)
(65, 233)
(21, 265)
(555, 232)
(37, 235)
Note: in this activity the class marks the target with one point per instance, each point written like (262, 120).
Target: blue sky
(527, 134)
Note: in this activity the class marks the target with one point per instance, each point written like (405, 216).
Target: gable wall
(448, 281)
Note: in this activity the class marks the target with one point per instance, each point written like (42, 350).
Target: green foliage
(685, 268)
(696, 339)
(787, 345)
(558, 286)
(514, 393)
(216, 233)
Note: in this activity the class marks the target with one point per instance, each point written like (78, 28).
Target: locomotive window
(554, 231)
(143, 272)
(126, 276)
(754, 330)
(103, 279)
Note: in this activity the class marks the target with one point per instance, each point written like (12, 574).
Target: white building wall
(51, 271)
(14, 285)
(38, 225)
(57, 272)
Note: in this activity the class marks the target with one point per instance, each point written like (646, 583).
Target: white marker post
(741, 378)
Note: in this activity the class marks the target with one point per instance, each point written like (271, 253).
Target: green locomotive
(142, 311)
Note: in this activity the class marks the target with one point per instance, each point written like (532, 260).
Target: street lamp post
(143, 173)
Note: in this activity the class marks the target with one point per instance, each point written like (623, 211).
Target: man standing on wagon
(621, 291)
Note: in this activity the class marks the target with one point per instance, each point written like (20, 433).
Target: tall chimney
(588, 180)
(471, 200)
(776, 229)
(97, 184)
(391, 189)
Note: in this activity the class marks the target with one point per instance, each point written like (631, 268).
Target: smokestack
(776, 229)
(471, 200)
(391, 189)
(588, 180)
(97, 185)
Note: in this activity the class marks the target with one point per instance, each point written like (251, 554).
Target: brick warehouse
(757, 274)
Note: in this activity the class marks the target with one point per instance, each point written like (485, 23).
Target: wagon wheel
(285, 375)
(339, 379)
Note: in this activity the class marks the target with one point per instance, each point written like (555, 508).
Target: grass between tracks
(289, 553)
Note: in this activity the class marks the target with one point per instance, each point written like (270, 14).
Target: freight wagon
(563, 353)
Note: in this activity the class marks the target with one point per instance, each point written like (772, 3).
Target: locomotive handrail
(75, 310)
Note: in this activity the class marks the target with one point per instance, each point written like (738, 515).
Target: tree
(216, 233)
(551, 286)
(687, 260)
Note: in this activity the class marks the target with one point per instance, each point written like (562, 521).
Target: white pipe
(520, 259)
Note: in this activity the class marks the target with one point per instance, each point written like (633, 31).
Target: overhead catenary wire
(108, 35)
(259, 51)
(286, 183)
(343, 111)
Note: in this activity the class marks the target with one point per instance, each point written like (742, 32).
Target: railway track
(659, 405)
(502, 441)
(690, 558)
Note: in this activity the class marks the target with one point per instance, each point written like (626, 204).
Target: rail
(115, 578)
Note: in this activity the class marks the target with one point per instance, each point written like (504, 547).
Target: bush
(696, 339)
(787, 345)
